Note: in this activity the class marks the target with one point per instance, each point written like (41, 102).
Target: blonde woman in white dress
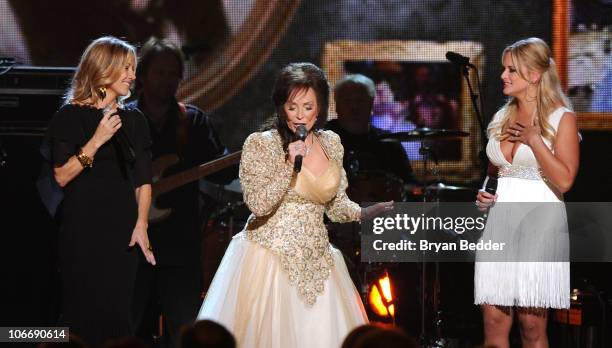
(533, 146)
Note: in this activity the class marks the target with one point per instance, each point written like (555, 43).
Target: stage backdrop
(235, 48)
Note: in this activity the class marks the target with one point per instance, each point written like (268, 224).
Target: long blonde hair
(100, 66)
(533, 54)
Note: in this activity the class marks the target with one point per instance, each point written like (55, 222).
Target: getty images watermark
(413, 224)
(508, 232)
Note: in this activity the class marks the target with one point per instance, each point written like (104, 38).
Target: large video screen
(55, 33)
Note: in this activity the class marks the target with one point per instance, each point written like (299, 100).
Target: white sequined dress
(529, 215)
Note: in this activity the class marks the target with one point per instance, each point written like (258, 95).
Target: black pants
(172, 291)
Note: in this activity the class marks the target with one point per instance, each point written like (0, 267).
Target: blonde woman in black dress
(106, 179)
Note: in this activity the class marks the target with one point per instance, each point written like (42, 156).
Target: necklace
(309, 147)
(109, 107)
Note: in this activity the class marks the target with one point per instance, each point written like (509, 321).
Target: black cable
(478, 107)
(3, 155)
(481, 100)
(474, 97)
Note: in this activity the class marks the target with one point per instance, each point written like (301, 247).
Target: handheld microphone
(459, 59)
(491, 185)
(300, 134)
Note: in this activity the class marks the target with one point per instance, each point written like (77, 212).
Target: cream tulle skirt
(251, 296)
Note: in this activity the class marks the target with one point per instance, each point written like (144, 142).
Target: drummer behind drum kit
(379, 186)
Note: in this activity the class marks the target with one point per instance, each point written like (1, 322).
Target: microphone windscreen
(457, 58)
(301, 132)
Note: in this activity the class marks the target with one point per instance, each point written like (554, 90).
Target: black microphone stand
(477, 104)
(438, 341)
(424, 340)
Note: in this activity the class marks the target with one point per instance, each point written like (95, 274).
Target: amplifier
(29, 95)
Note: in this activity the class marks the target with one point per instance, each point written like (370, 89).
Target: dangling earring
(102, 92)
(535, 97)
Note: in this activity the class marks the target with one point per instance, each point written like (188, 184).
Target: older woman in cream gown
(281, 283)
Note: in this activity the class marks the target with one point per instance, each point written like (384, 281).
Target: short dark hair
(385, 337)
(206, 333)
(358, 333)
(294, 77)
(152, 48)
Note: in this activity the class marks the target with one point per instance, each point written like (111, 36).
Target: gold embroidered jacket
(289, 223)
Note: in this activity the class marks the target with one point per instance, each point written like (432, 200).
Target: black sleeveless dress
(98, 215)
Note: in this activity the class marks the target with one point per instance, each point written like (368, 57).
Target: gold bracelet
(86, 161)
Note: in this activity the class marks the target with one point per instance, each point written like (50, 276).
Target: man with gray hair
(364, 152)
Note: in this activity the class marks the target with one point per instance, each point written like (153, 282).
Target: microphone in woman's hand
(300, 134)
(491, 185)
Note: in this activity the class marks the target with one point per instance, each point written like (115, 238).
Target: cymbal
(442, 187)
(424, 133)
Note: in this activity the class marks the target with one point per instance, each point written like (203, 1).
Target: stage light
(575, 293)
(381, 297)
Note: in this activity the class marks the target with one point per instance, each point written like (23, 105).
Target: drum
(375, 186)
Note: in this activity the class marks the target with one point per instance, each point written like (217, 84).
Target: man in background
(174, 286)
(363, 151)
